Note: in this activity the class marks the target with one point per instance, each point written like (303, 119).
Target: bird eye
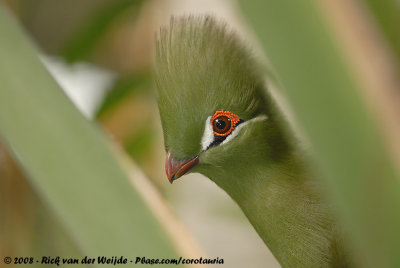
(223, 122)
(222, 125)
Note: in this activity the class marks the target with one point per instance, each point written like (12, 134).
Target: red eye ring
(224, 122)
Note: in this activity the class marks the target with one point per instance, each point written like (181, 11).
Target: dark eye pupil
(220, 124)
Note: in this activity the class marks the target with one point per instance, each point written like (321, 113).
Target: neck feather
(283, 204)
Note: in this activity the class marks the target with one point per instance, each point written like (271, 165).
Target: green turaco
(219, 120)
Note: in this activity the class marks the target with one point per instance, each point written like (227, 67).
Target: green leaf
(122, 88)
(348, 146)
(139, 144)
(83, 42)
(387, 14)
(67, 159)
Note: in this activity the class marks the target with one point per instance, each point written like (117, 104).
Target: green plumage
(202, 67)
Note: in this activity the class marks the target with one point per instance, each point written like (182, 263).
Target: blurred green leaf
(122, 88)
(139, 144)
(348, 148)
(68, 161)
(57, 242)
(84, 41)
(387, 14)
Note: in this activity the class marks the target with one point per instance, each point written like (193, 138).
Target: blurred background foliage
(110, 35)
(117, 38)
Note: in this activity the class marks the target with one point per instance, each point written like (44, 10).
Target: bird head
(219, 120)
(211, 99)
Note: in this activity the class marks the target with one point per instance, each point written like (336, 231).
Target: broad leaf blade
(67, 159)
(348, 147)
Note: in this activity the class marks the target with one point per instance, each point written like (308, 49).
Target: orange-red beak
(176, 169)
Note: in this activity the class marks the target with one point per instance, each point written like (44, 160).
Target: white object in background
(84, 83)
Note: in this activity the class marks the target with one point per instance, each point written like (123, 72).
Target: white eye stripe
(208, 135)
(236, 131)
